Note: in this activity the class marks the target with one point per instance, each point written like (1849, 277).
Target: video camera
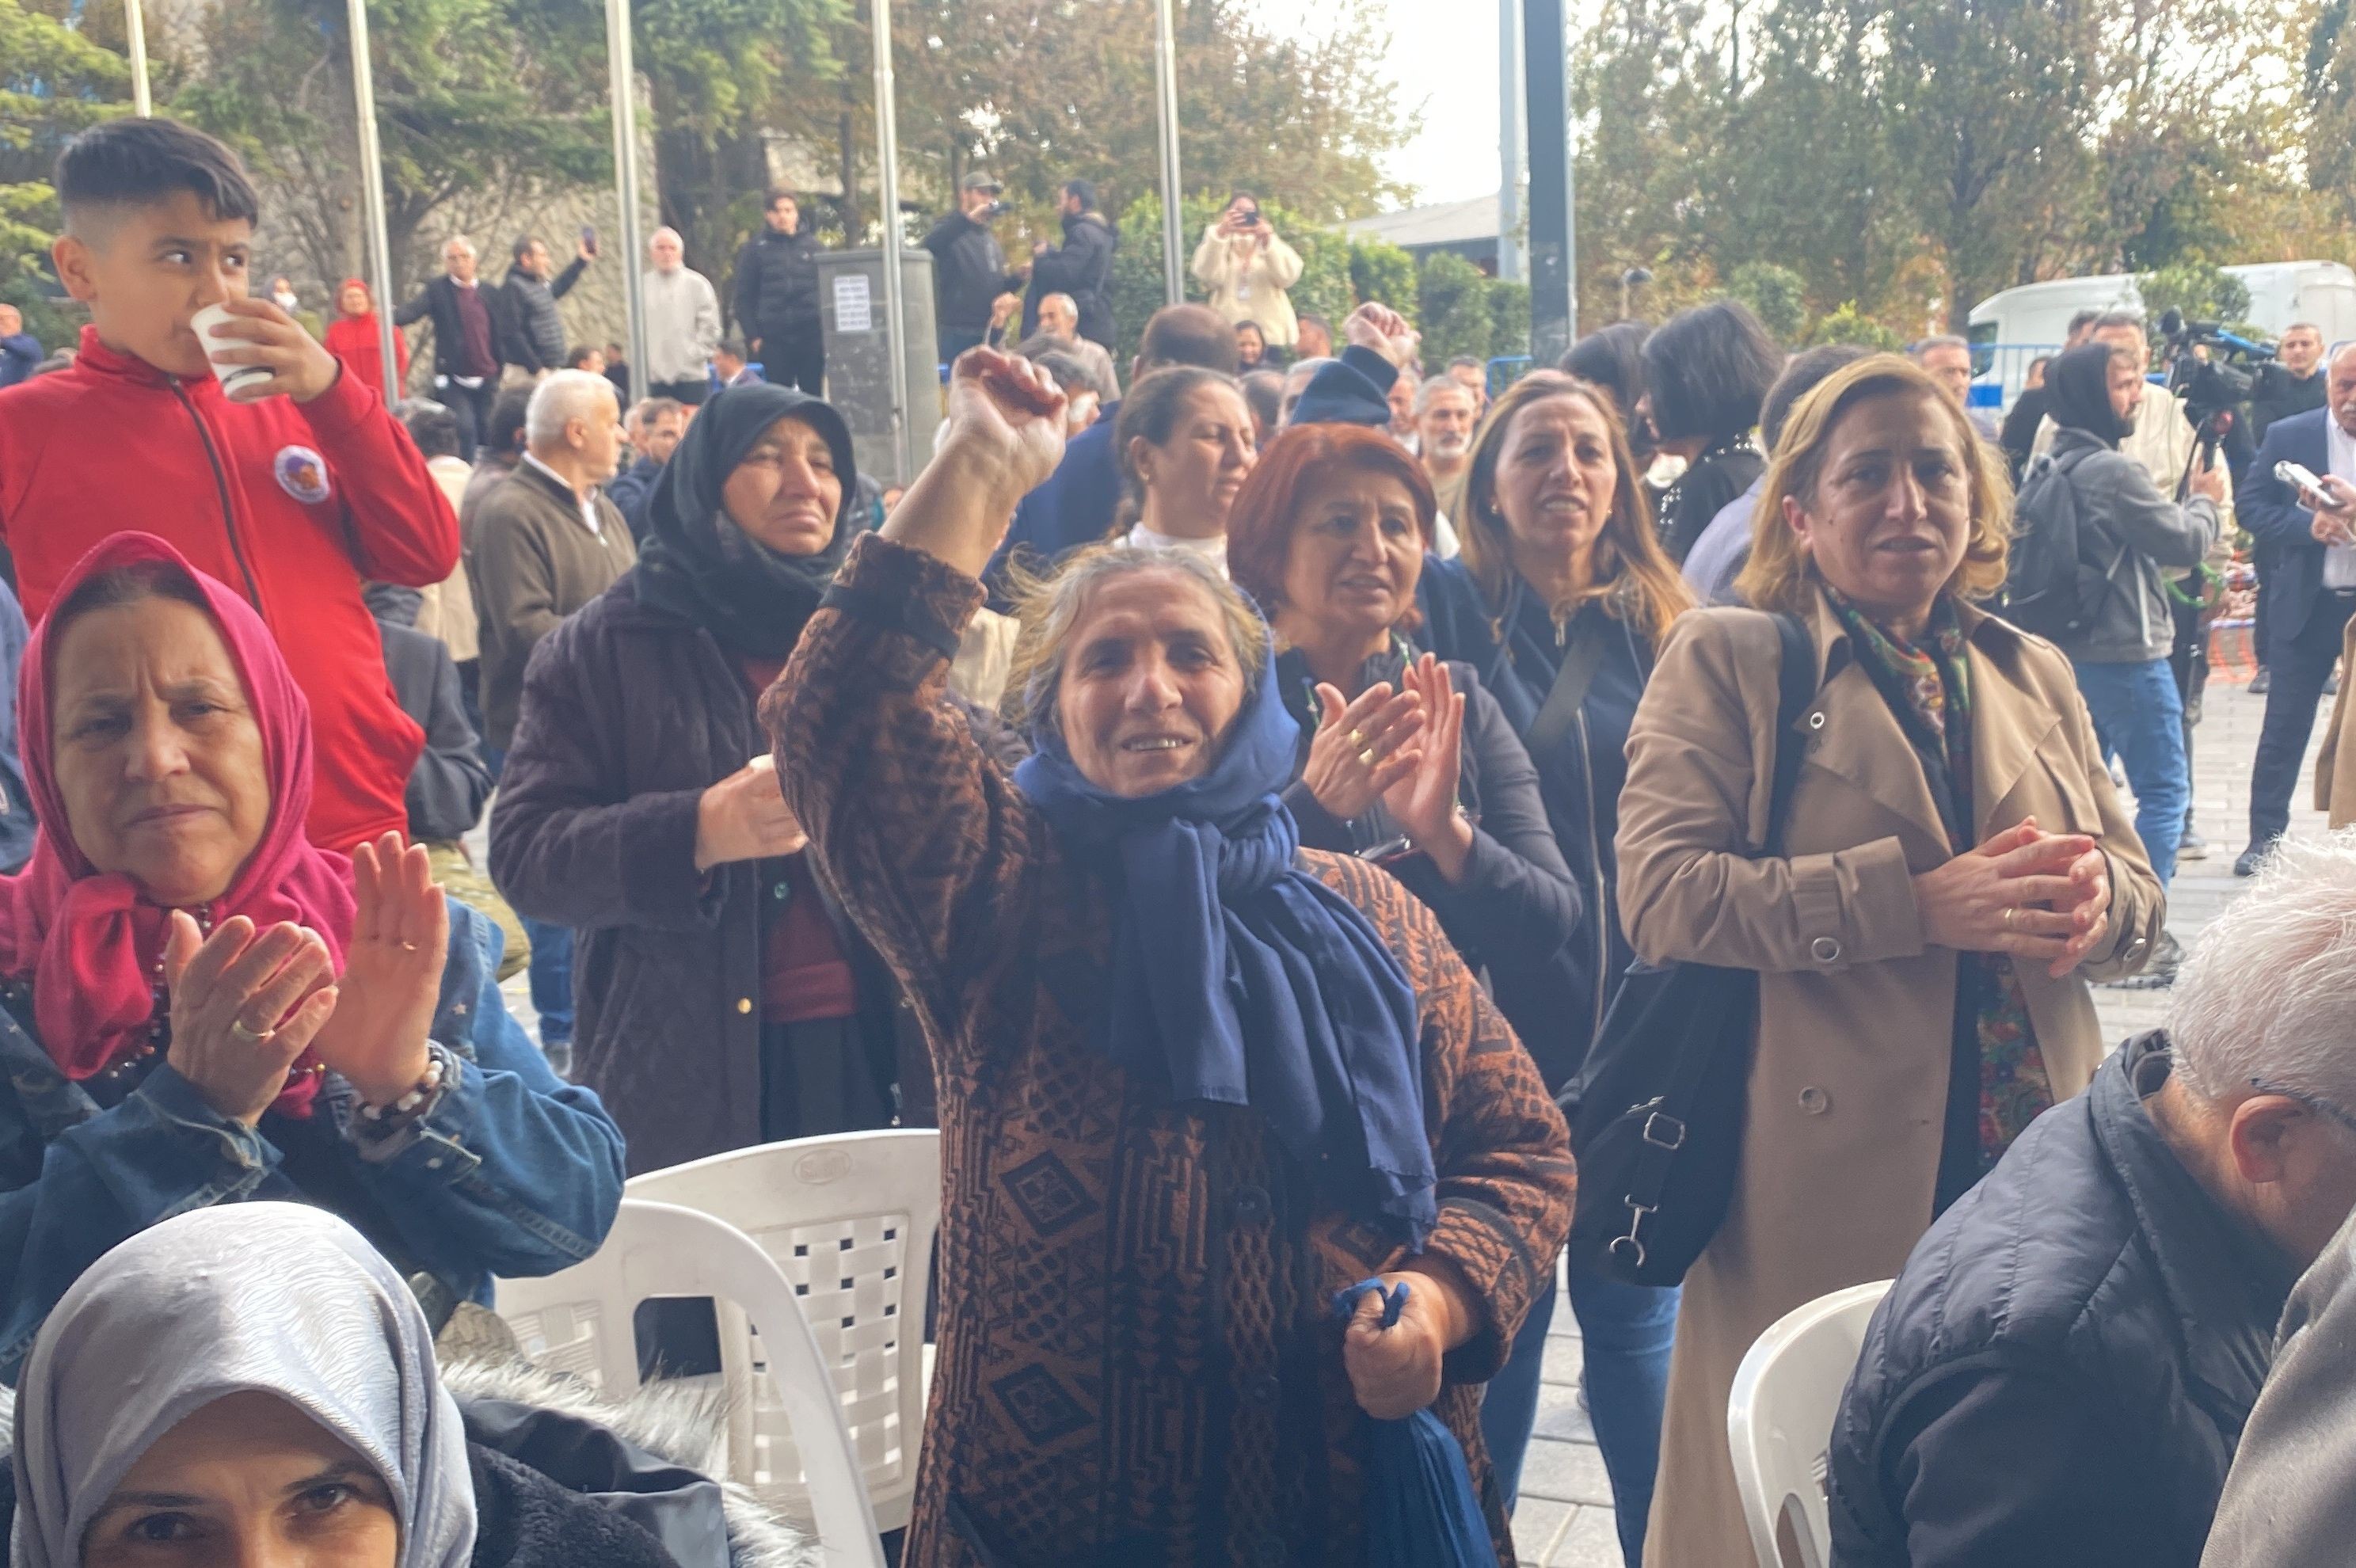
(2217, 381)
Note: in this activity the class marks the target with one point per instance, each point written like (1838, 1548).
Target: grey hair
(1047, 608)
(1297, 376)
(458, 242)
(1069, 302)
(1944, 340)
(2268, 994)
(1436, 386)
(2111, 320)
(676, 237)
(564, 396)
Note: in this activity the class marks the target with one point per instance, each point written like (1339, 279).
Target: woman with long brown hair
(1559, 602)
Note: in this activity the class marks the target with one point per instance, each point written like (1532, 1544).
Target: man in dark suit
(473, 328)
(2312, 588)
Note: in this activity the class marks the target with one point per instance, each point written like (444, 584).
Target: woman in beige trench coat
(2335, 765)
(1909, 874)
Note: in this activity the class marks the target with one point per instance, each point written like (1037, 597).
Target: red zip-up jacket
(291, 505)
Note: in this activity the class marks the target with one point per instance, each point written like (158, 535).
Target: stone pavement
(1564, 1519)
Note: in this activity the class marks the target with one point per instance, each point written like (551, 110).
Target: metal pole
(1174, 220)
(380, 248)
(622, 79)
(1553, 259)
(135, 30)
(887, 177)
(1512, 244)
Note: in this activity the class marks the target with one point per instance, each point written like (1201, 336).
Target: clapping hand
(1362, 748)
(2034, 895)
(244, 1008)
(1424, 800)
(377, 1038)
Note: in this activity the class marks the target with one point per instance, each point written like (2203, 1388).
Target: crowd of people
(1229, 795)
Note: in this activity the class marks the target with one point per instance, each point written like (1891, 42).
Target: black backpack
(2051, 589)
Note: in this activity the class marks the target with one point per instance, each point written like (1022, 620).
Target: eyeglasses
(2315, 1102)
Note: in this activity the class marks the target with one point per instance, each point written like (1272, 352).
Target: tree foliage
(1908, 158)
(53, 82)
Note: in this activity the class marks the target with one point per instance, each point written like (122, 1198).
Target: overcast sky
(1443, 59)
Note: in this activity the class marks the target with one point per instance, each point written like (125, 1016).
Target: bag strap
(1572, 680)
(1663, 1129)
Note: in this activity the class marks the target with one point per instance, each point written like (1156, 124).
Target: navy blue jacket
(1356, 389)
(1580, 777)
(2270, 510)
(2061, 1372)
(511, 1172)
(1073, 508)
(631, 490)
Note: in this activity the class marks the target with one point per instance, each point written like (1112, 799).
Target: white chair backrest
(850, 1220)
(580, 1321)
(1778, 1423)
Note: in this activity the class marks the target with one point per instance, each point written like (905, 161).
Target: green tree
(53, 82)
(1452, 309)
(1777, 294)
(1849, 325)
(2203, 292)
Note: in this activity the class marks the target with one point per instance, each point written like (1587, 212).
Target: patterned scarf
(1928, 689)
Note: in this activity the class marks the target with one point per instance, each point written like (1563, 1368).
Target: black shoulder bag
(1658, 1123)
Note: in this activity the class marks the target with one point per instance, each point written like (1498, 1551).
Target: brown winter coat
(1848, 1087)
(2335, 765)
(1138, 1364)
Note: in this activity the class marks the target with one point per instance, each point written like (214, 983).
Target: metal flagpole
(887, 177)
(623, 87)
(380, 248)
(1165, 73)
(135, 29)
(1513, 245)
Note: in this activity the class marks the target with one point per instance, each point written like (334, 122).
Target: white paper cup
(232, 377)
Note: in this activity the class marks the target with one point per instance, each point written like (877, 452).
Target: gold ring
(246, 1036)
(1357, 738)
(1367, 757)
(2008, 914)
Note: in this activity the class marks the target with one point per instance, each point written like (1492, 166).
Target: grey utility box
(858, 358)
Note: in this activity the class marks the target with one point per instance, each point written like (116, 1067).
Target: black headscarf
(2079, 383)
(698, 566)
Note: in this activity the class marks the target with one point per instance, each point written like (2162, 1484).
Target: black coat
(628, 715)
(1082, 267)
(1702, 491)
(776, 286)
(2061, 1371)
(969, 273)
(451, 783)
(1515, 913)
(438, 301)
(2283, 529)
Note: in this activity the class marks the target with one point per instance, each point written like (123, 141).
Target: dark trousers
(2299, 669)
(472, 405)
(795, 357)
(2262, 560)
(690, 392)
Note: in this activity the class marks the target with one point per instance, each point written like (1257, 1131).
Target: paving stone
(1564, 1471)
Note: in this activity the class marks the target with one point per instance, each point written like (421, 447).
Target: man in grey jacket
(682, 323)
(2136, 537)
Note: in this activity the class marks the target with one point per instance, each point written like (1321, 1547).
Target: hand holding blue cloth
(1420, 1511)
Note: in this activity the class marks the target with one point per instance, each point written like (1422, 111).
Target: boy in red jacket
(291, 493)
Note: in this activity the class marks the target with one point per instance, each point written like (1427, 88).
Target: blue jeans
(551, 980)
(1626, 1331)
(2138, 713)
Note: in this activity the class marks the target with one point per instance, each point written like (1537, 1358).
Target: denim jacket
(511, 1171)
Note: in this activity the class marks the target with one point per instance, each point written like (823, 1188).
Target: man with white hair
(472, 331)
(2061, 1371)
(1444, 414)
(682, 322)
(1059, 316)
(545, 542)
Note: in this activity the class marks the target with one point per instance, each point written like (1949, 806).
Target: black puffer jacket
(969, 271)
(2061, 1372)
(1082, 267)
(777, 285)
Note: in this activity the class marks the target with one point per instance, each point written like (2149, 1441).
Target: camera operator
(1247, 269)
(2314, 551)
(969, 270)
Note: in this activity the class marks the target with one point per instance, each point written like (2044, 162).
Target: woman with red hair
(1404, 760)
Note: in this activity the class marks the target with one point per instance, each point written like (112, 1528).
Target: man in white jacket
(682, 322)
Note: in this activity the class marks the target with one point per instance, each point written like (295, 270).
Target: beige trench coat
(1850, 1082)
(2335, 765)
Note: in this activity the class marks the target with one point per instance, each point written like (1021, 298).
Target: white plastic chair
(849, 1220)
(579, 1321)
(1778, 1423)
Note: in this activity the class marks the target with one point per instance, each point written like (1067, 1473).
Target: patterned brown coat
(1138, 1364)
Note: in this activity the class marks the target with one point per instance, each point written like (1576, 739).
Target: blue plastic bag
(1420, 1511)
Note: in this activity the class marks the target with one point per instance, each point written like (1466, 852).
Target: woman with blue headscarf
(1193, 1079)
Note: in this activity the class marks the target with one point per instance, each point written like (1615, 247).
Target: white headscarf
(277, 1297)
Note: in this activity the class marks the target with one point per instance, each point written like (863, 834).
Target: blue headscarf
(1239, 978)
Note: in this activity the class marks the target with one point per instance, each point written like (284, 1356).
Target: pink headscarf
(88, 938)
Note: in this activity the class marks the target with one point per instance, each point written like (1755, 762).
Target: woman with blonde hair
(1951, 871)
(1559, 602)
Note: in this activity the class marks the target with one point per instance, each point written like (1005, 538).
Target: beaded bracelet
(408, 1105)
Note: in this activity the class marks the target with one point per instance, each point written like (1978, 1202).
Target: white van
(2010, 329)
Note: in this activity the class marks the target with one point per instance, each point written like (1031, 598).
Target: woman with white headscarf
(255, 1382)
